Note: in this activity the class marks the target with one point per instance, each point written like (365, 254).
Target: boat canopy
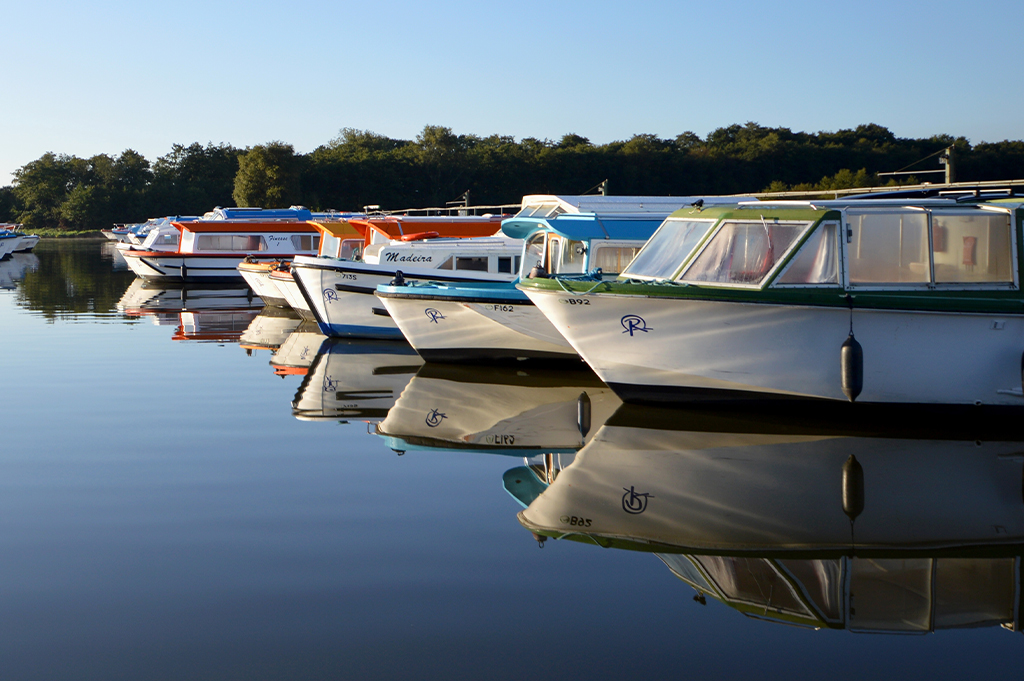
(340, 229)
(551, 205)
(295, 213)
(888, 244)
(396, 227)
(586, 226)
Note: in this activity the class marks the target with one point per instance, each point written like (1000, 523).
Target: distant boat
(25, 242)
(211, 248)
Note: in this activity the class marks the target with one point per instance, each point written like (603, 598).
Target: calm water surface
(192, 490)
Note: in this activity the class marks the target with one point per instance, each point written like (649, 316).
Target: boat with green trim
(912, 301)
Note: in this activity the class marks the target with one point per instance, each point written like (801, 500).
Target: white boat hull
(263, 286)
(178, 267)
(657, 349)
(293, 296)
(342, 294)
(343, 303)
(452, 331)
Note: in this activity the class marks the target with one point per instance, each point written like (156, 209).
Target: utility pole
(947, 160)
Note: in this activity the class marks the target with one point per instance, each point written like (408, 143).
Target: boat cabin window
(505, 265)
(744, 252)
(543, 210)
(473, 263)
(465, 263)
(893, 594)
(972, 248)
(888, 247)
(305, 242)
(329, 246)
(965, 246)
(351, 249)
(668, 248)
(534, 252)
(230, 242)
(754, 581)
(818, 259)
(573, 255)
(612, 259)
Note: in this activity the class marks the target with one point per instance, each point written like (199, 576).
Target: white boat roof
(546, 205)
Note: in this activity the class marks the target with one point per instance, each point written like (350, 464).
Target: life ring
(419, 236)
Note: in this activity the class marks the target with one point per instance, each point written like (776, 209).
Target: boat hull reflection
(520, 412)
(869, 530)
(355, 379)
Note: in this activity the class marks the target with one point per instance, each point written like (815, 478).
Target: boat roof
(587, 226)
(394, 227)
(245, 226)
(548, 205)
(294, 213)
(340, 228)
(815, 209)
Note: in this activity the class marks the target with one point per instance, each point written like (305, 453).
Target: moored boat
(211, 248)
(880, 300)
(340, 292)
(24, 242)
(272, 280)
(488, 322)
(8, 242)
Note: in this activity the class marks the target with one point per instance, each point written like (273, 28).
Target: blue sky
(104, 76)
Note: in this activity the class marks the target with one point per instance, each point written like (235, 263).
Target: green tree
(193, 179)
(268, 176)
(42, 186)
(9, 205)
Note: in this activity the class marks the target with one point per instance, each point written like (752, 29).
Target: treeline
(360, 168)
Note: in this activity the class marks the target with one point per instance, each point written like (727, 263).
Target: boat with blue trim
(488, 321)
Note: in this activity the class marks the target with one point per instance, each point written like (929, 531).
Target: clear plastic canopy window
(668, 248)
(745, 252)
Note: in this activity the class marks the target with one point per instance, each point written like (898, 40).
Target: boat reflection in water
(869, 531)
(504, 410)
(209, 312)
(14, 268)
(109, 253)
(354, 379)
(298, 350)
(269, 329)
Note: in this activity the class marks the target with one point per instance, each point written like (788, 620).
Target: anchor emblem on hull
(433, 314)
(435, 417)
(634, 322)
(330, 295)
(634, 502)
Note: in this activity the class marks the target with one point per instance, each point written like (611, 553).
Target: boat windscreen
(668, 248)
(744, 252)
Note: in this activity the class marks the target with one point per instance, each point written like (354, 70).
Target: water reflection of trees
(74, 276)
